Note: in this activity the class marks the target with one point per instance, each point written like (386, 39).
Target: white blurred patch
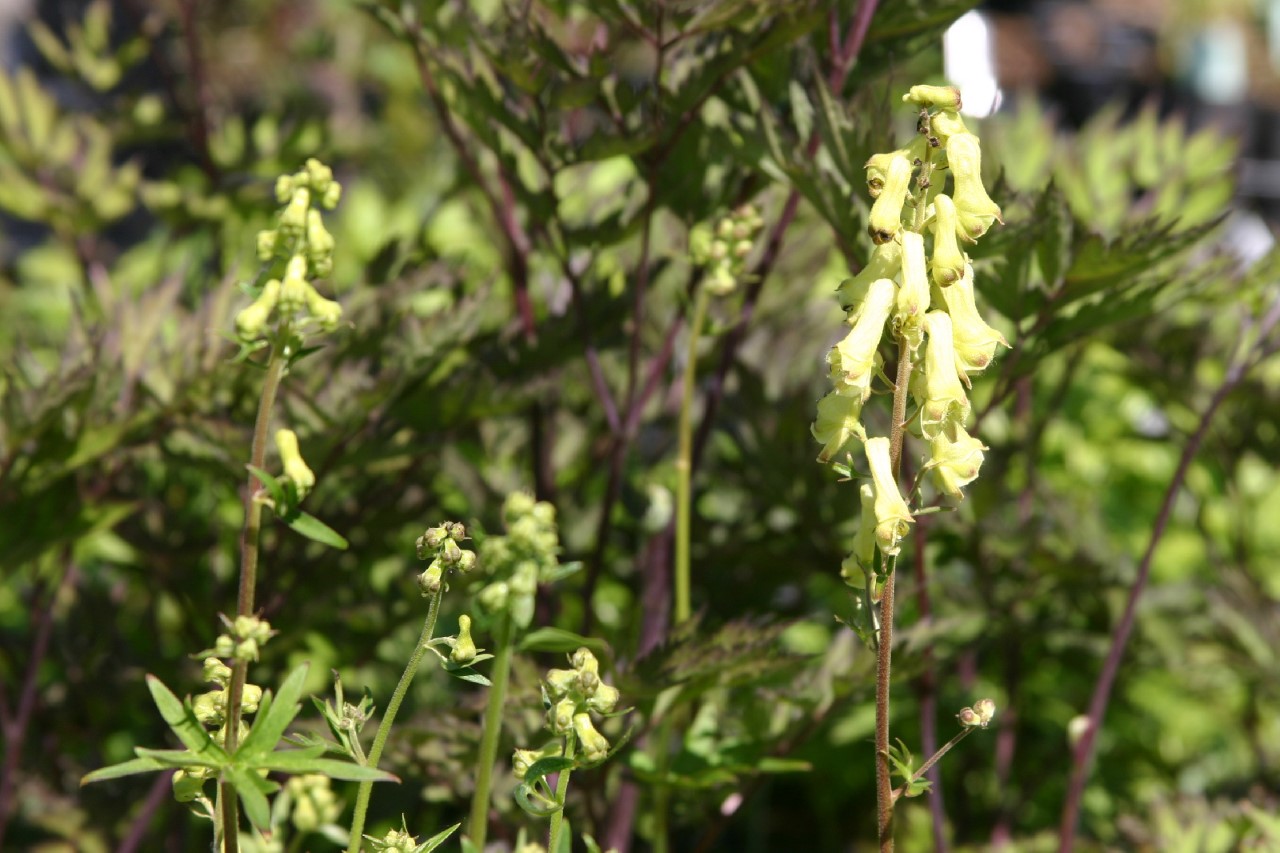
(968, 61)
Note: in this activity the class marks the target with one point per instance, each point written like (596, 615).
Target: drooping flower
(956, 461)
(948, 261)
(975, 211)
(939, 97)
(892, 514)
(885, 220)
(837, 424)
(944, 401)
(853, 360)
(885, 262)
(975, 341)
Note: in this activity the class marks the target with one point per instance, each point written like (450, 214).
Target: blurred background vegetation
(520, 180)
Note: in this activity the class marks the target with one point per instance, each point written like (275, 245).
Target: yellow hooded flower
(892, 515)
(975, 342)
(944, 398)
(886, 213)
(837, 424)
(853, 360)
(913, 296)
(295, 468)
(975, 209)
(948, 260)
(936, 97)
(957, 458)
(885, 262)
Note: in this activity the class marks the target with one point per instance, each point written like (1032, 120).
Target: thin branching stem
(684, 464)
(389, 718)
(934, 759)
(562, 793)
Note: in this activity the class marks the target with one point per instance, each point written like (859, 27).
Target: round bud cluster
(300, 236)
(980, 715)
(244, 639)
(210, 709)
(724, 250)
(441, 546)
(920, 291)
(572, 695)
(516, 563)
(314, 803)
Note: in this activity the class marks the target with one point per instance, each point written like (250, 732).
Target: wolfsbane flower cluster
(922, 292)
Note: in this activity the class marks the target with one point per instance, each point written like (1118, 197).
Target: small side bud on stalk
(464, 648)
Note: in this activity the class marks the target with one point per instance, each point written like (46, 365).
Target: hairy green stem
(389, 717)
(884, 651)
(479, 826)
(248, 582)
(562, 792)
(684, 464)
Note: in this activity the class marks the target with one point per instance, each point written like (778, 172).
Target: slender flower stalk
(562, 792)
(500, 677)
(684, 462)
(389, 718)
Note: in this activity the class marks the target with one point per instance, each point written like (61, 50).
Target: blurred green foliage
(521, 180)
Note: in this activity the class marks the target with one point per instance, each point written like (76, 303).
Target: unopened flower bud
(224, 646)
(456, 530)
(210, 708)
(864, 541)
(886, 213)
(295, 468)
(524, 580)
(892, 514)
(250, 698)
(466, 561)
(594, 746)
(583, 659)
(493, 597)
(464, 648)
(186, 787)
(604, 699)
(429, 543)
(319, 176)
(724, 229)
(718, 251)
(284, 188)
(722, 281)
(560, 681)
(332, 194)
(522, 760)
(560, 718)
(326, 312)
(934, 97)
(742, 248)
(267, 243)
(450, 553)
(294, 216)
(986, 711)
(948, 260)
(319, 240)
(946, 124)
(430, 581)
(216, 672)
(252, 319)
(969, 718)
(516, 505)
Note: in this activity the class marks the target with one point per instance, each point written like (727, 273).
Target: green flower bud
(524, 580)
(395, 841)
(934, 97)
(724, 229)
(864, 541)
(974, 208)
(450, 553)
(319, 176)
(718, 250)
(913, 296)
(250, 698)
(456, 530)
(466, 561)
(885, 262)
(464, 648)
(583, 660)
(430, 581)
(969, 718)
(975, 341)
(892, 514)
(295, 468)
(267, 242)
(517, 505)
(314, 803)
(560, 717)
(210, 708)
(332, 194)
(853, 360)
(944, 401)
(957, 459)
(886, 213)
(742, 248)
(837, 424)
(544, 513)
(216, 672)
(293, 219)
(722, 281)
(594, 746)
(186, 787)
(948, 260)
(493, 597)
(877, 168)
(224, 646)
(319, 240)
(522, 760)
(429, 543)
(604, 699)
(284, 189)
(253, 319)
(986, 711)
(560, 681)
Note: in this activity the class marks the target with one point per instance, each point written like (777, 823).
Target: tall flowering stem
(915, 297)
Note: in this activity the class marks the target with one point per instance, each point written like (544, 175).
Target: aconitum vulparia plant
(915, 294)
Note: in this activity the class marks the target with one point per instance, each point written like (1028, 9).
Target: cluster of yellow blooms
(925, 299)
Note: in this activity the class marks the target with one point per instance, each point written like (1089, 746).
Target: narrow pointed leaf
(132, 767)
(436, 840)
(274, 717)
(182, 720)
(315, 529)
